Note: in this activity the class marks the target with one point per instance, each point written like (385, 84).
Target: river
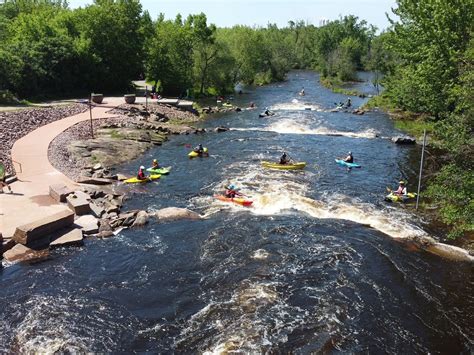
(314, 265)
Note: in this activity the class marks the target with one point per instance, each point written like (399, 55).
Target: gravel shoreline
(58, 153)
(17, 124)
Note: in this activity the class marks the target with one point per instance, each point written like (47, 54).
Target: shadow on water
(309, 268)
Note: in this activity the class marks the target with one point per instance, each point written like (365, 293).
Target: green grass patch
(414, 127)
(334, 84)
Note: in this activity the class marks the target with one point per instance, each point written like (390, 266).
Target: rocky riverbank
(14, 125)
(117, 140)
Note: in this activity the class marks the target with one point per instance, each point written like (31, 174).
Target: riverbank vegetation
(428, 77)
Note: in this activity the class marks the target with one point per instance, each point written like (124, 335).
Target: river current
(315, 265)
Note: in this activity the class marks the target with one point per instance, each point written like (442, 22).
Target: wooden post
(90, 113)
(146, 98)
(421, 169)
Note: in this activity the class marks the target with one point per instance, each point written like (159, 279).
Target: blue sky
(226, 13)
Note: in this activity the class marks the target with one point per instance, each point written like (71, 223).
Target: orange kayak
(237, 200)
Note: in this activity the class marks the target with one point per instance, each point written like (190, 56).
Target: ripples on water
(309, 268)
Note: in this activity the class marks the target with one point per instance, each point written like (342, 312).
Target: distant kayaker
(252, 105)
(349, 158)
(141, 173)
(232, 191)
(285, 159)
(302, 93)
(155, 164)
(199, 149)
(402, 189)
(348, 103)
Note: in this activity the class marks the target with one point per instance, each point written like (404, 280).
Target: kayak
(161, 171)
(135, 180)
(349, 165)
(262, 115)
(391, 197)
(292, 166)
(194, 154)
(227, 105)
(237, 200)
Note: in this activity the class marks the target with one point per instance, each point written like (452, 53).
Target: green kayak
(161, 171)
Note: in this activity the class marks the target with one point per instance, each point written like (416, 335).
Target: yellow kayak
(292, 166)
(135, 180)
(194, 154)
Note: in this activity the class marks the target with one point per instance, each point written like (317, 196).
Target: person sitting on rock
(141, 173)
(155, 164)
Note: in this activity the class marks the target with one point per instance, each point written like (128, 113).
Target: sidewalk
(30, 200)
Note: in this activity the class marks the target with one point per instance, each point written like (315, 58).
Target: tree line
(46, 48)
(426, 58)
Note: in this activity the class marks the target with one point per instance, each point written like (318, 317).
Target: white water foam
(289, 126)
(296, 105)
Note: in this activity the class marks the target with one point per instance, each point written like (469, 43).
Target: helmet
(231, 187)
(155, 161)
(350, 153)
(142, 167)
(402, 182)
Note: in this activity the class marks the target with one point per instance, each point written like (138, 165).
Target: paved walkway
(31, 200)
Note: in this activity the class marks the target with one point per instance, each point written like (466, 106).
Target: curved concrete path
(30, 200)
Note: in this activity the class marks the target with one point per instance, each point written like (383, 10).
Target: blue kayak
(348, 165)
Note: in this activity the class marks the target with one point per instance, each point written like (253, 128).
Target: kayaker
(348, 103)
(155, 164)
(141, 173)
(232, 191)
(267, 111)
(349, 158)
(302, 93)
(285, 159)
(252, 105)
(402, 189)
(199, 149)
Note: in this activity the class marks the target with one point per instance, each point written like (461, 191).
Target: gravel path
(17, 124)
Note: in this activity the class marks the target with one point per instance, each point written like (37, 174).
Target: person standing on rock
(3, 176)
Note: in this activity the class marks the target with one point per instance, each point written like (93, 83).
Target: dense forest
(424, 62)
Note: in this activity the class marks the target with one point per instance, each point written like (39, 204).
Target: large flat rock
(22, 253)
(88, 224)
(43, 227)
(71, 238)
(79, 203)
(59, 192)
(94, 181)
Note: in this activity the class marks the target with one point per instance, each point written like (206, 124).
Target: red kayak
(238, 200)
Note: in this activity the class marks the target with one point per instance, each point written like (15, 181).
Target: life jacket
(141, 175)
(230, 193)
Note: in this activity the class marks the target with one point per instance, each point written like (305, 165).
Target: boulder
(59, 192)
(221, 129)
(403, 140)
(71, 238)
(8, 244)
(128, 219)
(104, 226)
(22, 253)
(88, 224)
(110, 207)
(96, 210)
(121, 177)
(97, 166)
(105, 234)
(42, 228)
(79, 203)
(94, 181)
(173, 213)
(141, 219)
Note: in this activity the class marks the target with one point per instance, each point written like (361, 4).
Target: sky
(226, 13)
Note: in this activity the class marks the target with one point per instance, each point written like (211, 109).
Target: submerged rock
(173, 213)
(403, 140)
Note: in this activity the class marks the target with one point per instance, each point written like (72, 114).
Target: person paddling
(141, 173)
(402, 189)
(232, 191)
(349, 158)
(284, 159)
(199, 149)
(154, 164)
